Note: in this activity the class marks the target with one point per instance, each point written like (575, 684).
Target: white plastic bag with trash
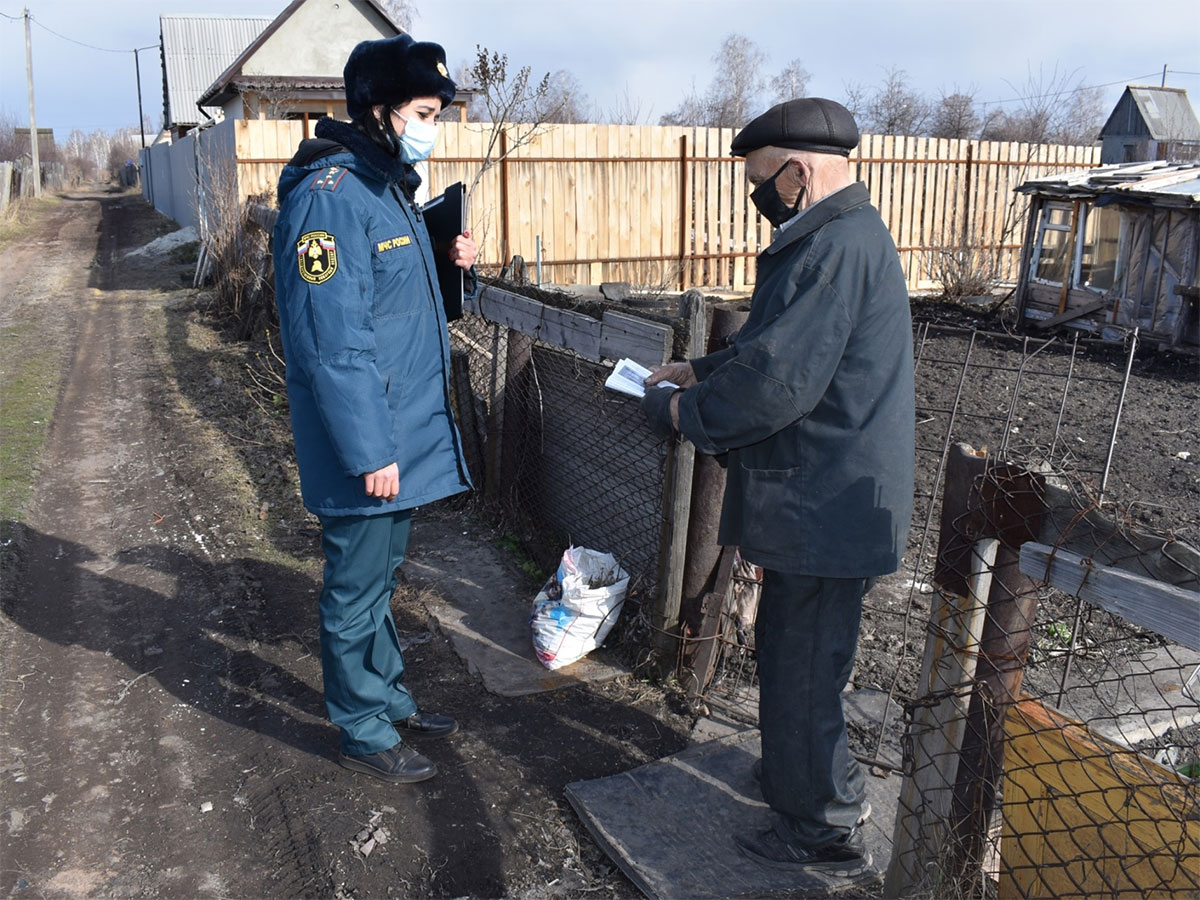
(576, 609)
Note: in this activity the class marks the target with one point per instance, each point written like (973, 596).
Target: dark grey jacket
(814, 400)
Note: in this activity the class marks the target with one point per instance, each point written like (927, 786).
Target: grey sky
(654, 48)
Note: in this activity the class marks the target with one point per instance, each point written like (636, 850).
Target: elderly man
(813, 405)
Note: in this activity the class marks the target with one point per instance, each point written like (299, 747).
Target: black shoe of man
(846, 857)
(756, 771)
(426, 725)
(400, 765)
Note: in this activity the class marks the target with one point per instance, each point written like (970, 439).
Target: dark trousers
(806, 634)
(360, 650)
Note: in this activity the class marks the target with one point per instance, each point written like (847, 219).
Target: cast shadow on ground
(194, 642)
(235, 640)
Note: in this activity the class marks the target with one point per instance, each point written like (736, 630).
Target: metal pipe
(937, 480)
(1112, 442)
(1062, 406)
(1025, 358)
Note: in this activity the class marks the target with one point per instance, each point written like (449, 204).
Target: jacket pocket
(396, 265)
(772, 512)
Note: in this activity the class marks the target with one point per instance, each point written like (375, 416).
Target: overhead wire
(1075, 90)
(72, 40)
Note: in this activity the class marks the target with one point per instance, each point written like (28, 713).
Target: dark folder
(445, 217)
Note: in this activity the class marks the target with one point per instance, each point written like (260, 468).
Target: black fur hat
(391, 70)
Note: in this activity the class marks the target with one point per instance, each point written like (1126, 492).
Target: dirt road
(162, 730)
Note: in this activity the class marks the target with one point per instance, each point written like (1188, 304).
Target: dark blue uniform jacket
(813, 402)
(363, 327)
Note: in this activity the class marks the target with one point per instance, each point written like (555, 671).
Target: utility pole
(1164, 80)
(33, 132)
(137, 67)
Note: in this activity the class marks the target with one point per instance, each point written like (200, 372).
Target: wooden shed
(1151, 123)
(1113, 249)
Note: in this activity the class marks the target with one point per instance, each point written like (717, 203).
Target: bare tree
(894, 108)
(275, 97)
(8, 137)
(791, 83)
(403, 12)
(565, 100)
(627, 110)
(81, 166)
(954, 115)
(854, 98)
(1079, 120)
(692, 110)
(511, 101)
(734, 95)
(1051, 108)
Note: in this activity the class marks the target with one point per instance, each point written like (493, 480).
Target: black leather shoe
(400, 764)
(844, 858)
(756, 771)
(428, 725)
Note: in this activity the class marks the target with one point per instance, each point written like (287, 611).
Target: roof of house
(231, 80)
(1166, 111)
(1160, 183)
(195, 50)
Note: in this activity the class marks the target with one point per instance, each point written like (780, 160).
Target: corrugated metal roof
(1168, 184)
(197, 49)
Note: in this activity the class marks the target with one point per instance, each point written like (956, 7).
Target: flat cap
(810, 123)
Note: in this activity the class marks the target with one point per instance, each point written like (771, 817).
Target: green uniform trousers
(360, 650)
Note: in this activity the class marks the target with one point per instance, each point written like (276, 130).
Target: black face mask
(766, 198)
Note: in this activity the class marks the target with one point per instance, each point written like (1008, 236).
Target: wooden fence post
(677, 503)
(952, 775)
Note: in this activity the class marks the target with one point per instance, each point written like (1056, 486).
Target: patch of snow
(166, 243)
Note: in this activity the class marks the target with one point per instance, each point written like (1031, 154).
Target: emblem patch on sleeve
(316, 252)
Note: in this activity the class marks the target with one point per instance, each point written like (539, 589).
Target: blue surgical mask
(417, 141)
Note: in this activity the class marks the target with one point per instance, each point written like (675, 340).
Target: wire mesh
(564, 460)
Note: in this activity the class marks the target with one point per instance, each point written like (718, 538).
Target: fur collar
(385, 167)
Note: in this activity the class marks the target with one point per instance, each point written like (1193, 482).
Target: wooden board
(621, 335)
(1165, 609)
(1084, 817)
(558, 327)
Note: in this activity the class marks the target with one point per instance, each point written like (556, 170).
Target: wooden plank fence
(664, 206)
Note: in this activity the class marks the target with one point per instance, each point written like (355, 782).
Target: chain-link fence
(560, 459)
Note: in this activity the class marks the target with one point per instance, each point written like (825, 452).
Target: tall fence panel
(665, 207)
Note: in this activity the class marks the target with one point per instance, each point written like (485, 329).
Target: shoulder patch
(328, 179)
(316, 254)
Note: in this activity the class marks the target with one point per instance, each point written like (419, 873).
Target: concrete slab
(704, 795)
(486, 613)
